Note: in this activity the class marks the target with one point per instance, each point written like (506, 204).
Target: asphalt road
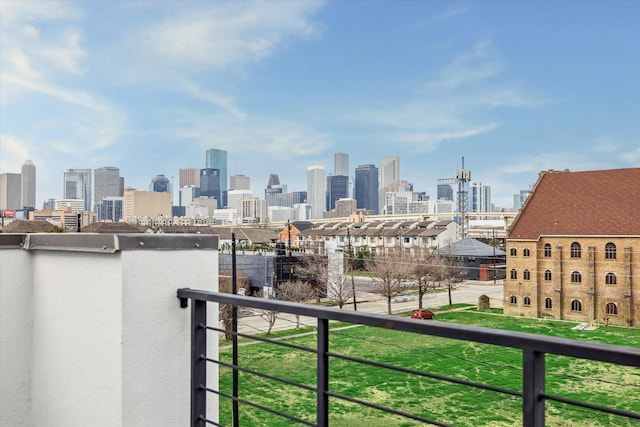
(251, 322)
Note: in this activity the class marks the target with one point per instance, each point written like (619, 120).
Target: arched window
(548, 303)
(527, 275)
(611, 308)
(576, 250)
(576, 305)
(513, 299)
(610, 251)
(610, 279)
(527, 301)
(576, 277)
(547, 275)
(526, 252)
(513, 252)
(547, 250)
(514, 273)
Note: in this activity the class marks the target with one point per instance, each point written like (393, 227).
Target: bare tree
(313, 269)
(297, 291)
(450, 271)
(225, 310)
(424, 272)
(270, 316)
(390, 273)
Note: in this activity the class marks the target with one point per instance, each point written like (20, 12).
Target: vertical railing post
(533, 387)
(235, 412)
(322, 411)
(198, 362)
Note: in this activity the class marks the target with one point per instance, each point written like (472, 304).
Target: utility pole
(353, 283)
(494, 256)
(234, 328)
(289, 243)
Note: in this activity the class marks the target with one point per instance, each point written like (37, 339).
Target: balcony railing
(534, 349)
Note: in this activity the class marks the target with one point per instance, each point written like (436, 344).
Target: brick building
(573, 251)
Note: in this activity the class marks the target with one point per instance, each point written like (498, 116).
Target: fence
(534, 348)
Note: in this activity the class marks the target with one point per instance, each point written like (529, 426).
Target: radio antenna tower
(462, 177)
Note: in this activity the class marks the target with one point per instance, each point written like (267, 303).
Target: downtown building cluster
(208, 195)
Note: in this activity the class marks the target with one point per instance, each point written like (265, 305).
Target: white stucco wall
(99, 339)
(15, 337)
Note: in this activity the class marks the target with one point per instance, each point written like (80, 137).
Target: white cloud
(226, 33)
(430, 141)
(13, 151)
(632, 157)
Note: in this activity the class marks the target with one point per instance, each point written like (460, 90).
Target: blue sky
(514, 87)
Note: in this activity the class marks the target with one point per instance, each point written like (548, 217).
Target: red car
(421, 313)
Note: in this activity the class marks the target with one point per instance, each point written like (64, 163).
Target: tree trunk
(388, 304)
(449, 290)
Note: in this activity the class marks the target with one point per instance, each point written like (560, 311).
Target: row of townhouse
(379, 237)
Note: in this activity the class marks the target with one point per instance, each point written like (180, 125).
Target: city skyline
(148, 87)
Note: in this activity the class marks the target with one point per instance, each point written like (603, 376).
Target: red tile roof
(563, 203)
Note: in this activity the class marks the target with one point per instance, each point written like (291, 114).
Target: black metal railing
(534, 348)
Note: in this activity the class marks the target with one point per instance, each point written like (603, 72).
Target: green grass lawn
(598, 383)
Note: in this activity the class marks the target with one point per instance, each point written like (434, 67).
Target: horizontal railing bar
(266, 340)
(208, 421)
(591, 406)
(428, 375)
(387, 409)
(260, 374)
(263, 408)
(562, 346)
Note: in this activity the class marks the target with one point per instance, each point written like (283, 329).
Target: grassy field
(594, 382)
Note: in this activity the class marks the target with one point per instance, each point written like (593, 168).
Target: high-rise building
(519, 199)
(188, 194)
(345, 207)
(106, 184)
(210, 184)
(337, 188)
(239, 182)
(341, 164)
(252, 210)
(110, 208)
(446, 189)
(77, 185)
(316, 190)
(479, 197)
(366, 188)
(273, 190)
(28, 184)
(189, 176)
(10, 191)
(233, 196)
(146, 203)
(389, 173)
(160, 184)
(217, 159)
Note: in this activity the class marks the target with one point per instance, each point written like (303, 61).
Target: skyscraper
(239, 182)
(479, 197)
(389, 173)
(337, 188)
(106, 183)
(189, 176)
(77, 185)
(28, 184)
(316, 190)
(10, 193)
(160, 184)
(217, 159)
(366, 188)
(210, 184)
(341, 164)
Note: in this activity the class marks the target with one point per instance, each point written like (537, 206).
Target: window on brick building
(611, 308)
(526, 252)
(576, 277)
(610, 251)
(576, 305)
(513, 252)
(548, 303)
(527, 301)
(513, 299)
(547, 275)
(547, 250)
(576, 250)
(610, 279)
(527, 275)
(514, 273)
